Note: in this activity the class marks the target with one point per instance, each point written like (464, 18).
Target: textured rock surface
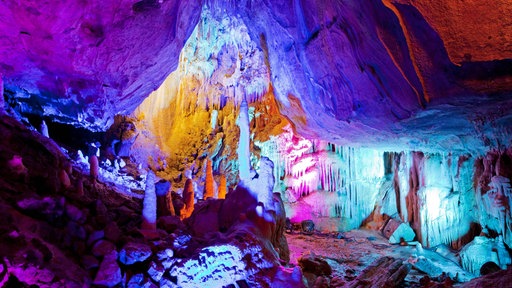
(349, 72)
(85, 62)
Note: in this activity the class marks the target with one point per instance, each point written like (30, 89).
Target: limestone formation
(188, 199)
(94, 167)
(149, 203)
(222, 187)
(209, 181)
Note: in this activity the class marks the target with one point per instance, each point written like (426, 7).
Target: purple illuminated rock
(102, 248)
(134, 252)
(111, 54)
(311, 263)
(109, 273)
(156, 271)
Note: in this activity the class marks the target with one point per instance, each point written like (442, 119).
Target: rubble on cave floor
(350, 253)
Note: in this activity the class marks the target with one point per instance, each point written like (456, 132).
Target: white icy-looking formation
(435, 264)
(330, 181)
(432, 192)
(149, 203)
(243, 151)
(436, 195)
(219, 63)
(494, 207)
(482, 250)
(215, 266)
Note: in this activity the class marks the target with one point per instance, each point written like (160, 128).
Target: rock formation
(209, 182)
(149, 203)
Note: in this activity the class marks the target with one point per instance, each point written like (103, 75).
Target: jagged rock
(321, 282)
(498, 279)
(95, 236)
(219, 261)
(288, 277)
(162, 187)
(308, 227)
(112, 232)
(383, 272)
(165, 205)
(135, 281)
(102, 248)
(76, 230)
(90, 262)
(482, 250)
(167, 283)
(49, 208)
(311, 263)
(337, 282)
(134, 252)
(75, 214)
(164, 254)
(204, 220)
(170, 223)
(102, 216)
(156, 271)
(277, 238)
(397, 232)
(109, 273)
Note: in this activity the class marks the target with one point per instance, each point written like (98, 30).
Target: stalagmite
(244, 153)
(94, 167)
(64, 179)
(44, 129)
(209, 185)
(169, 204)
(222, 187)
(188, 200)
(149, 203)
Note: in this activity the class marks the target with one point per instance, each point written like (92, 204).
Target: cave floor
(354, 252)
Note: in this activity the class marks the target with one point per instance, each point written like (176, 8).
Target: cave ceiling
(412, 74)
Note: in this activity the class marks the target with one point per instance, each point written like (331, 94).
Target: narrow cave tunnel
(254, 144)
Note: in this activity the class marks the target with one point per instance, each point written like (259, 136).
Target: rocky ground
(350, 254)
(61, 228)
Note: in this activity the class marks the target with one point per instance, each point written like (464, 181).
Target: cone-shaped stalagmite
(188, 199)
(208, 185)
(94, 167)
(168, 203)
(222, 187)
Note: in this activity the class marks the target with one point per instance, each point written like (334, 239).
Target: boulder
(156, 271)
(109, 273)
(112, 232)
(308, 227)
(134, 252)
(311, 263)
(103, 248)
(397, 232)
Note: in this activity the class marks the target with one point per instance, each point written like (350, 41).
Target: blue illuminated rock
(109, 273)
(134, 252)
